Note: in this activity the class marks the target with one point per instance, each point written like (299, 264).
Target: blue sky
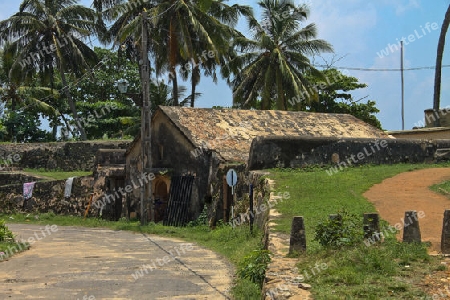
(359, 31)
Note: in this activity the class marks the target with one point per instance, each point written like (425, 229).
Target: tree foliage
(50, 71)
(272, 66)
(334, 96)
(45, 36)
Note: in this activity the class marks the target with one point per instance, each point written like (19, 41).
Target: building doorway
(161, 198)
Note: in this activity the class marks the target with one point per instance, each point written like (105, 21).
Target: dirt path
(410, 191)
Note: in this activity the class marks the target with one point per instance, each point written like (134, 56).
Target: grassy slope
(390, 270)
(55, 175)
(442, 188)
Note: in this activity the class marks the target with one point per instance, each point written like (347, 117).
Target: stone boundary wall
(295, 152)
(48, 196)
(282, 279)
(65, 156)
(10, 178)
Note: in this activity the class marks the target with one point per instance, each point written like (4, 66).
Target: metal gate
(177, 213)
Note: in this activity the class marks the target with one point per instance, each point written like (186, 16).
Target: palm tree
(438, 68)
(195, 32)
(48, 35)
(17, 95)
(273, 64)
(181, 33)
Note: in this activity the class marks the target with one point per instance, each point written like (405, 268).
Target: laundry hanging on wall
(28, 190)
(68, 187)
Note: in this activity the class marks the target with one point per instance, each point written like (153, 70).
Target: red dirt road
(410, 191)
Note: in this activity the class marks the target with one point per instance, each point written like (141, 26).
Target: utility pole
(146, 189)
(403, 85)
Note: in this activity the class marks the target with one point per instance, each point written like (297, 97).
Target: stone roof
(230, 132)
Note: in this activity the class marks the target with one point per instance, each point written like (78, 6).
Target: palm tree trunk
(280, 93)
(195, 78)
(54, 130)
(174, 89)
(438, 68)
(72, 105)
(173, 59)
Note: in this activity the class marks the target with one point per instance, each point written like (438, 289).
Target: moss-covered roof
(230, 132)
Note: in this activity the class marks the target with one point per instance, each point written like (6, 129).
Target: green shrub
(202, 218)
(345, 230)
(5, 233)
(254, 266)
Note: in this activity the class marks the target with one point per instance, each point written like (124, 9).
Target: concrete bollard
(445, 237)
(411, 229)
(298, 236)
(371, 222)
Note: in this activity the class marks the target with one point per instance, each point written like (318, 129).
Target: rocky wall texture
(15, 178)
(65, 156)
(295, 152)
(48, 196)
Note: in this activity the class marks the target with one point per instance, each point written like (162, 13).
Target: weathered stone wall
(173, 151)
(49, 196)
(172, 155)
(441, 115)
(219, 208)
(282, 152)
(110, 157)
(66, 156)
(7, 179)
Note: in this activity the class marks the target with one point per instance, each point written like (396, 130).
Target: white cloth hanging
(68, 187)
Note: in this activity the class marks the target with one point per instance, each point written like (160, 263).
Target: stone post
(298, 236)
(411, 229)
(445, 237)
(371, 223)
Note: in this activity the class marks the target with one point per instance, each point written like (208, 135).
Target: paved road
(88, 263)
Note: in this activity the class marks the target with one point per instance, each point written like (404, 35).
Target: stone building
(425, 128)
(193, 148)
(427, 133)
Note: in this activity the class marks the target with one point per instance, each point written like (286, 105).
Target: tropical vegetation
(61, 61)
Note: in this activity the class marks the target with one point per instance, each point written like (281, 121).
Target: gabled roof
(230, 132)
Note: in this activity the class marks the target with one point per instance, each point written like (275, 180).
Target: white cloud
(401, 8)
(344, 25)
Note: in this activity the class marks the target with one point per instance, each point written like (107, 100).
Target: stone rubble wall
(283, 280)
(64, 156)
(297, 152)
(48, 196)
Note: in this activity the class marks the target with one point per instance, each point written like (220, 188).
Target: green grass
(233, 244)
(389, 270)
(11, 248)
(8, 244)
(442, 188)
(56, 175)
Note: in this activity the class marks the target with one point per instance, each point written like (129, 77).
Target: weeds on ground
(8, 245)
(337, 263)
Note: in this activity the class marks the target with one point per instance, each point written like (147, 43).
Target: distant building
(193, 148)
(425, 129)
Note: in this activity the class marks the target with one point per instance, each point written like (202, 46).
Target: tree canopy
(51, 70)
